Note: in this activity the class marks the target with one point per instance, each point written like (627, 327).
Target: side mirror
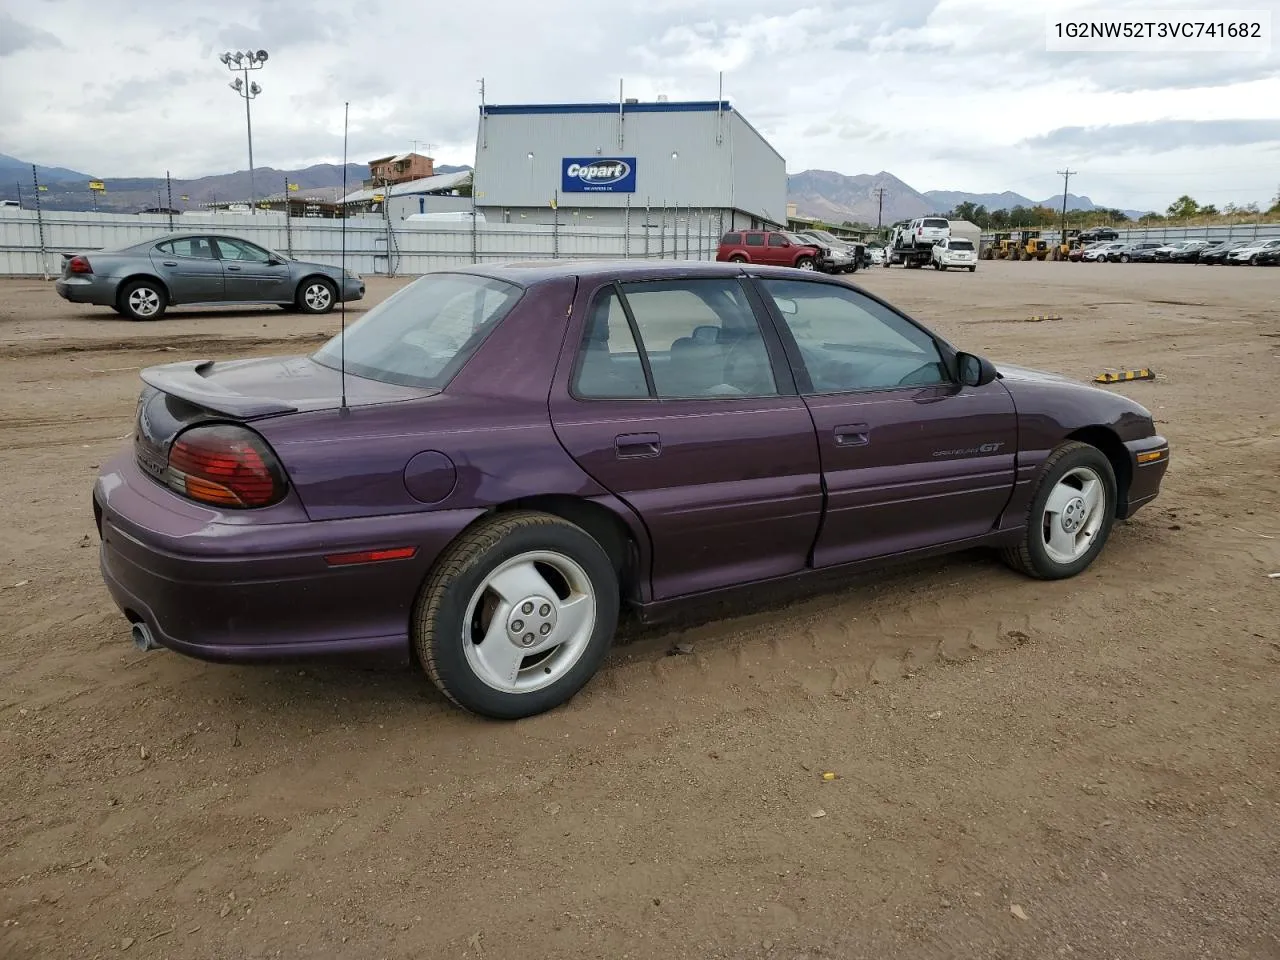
(975, 371)
(274, 262)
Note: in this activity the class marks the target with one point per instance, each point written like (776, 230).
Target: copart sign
(598, 175)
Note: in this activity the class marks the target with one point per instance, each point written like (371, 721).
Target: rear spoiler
(186, 380)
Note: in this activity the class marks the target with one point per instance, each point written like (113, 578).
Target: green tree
(1209, 211)
(1000, 219)
(1183, 208)
(1275, 202)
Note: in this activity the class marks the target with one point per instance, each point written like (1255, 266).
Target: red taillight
(225, 465)
(79, 264)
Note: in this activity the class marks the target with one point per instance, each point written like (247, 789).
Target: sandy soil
(1079, 769)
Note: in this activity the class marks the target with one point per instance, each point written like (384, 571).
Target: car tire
(142, 300)
(1070, 467)
(1124, 258)
(551, 565)
(316, 295)
(737, 258)
(805, 263)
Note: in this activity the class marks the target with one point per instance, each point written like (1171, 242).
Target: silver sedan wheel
(806, 265)
(144, 301)
(529, 622)
(1073, 515)
(317, 296)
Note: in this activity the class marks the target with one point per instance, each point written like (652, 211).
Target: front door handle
(630, 446)
(170, 263)
(233, 268)
(853, 435)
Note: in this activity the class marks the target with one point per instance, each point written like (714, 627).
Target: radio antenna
(343, 409)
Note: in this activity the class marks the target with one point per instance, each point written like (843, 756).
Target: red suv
(773, 248)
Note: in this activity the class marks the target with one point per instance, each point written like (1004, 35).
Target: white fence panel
(411, 247)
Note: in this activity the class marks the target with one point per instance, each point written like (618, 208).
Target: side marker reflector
(1151, 455)
(370, 556)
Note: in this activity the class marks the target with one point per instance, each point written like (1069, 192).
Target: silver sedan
(190, 269)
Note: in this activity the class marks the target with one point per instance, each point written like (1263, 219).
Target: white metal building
(435, 194)
(603, 163)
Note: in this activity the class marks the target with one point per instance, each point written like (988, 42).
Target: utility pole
(1066, 178)
(879, 209)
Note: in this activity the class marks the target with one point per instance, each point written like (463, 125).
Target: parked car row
(1258, 252)
(810, 250)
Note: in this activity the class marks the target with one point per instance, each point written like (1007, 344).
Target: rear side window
(195, 247)
(731, 239)
(755, 239)
(699, 339)
(609, 365)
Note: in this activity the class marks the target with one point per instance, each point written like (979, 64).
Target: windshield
(796, 238)
(823, 235)
(423, 334)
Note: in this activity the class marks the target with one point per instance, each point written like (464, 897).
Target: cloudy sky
(946, 94)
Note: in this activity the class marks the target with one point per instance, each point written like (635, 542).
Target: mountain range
(837, 197)
(69, 189)
(834, 197)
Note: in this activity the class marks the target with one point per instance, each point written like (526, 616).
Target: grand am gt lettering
(969, 451)
(598, 175)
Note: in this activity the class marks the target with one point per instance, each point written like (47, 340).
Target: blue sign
(598, 175)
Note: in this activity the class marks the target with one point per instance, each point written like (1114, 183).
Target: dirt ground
(1022, 770)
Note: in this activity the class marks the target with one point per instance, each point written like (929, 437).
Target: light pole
(247, 89)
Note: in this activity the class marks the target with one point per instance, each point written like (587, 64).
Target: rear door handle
(233, 268)
(631, 446)
(853, 435)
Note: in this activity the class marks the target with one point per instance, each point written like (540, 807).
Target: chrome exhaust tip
(142, 638)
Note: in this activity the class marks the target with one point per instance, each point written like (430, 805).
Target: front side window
(422, 334)
(232, 249)
(849, 342)
(777, 240)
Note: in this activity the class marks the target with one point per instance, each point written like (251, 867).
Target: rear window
(731, 239)
(423, 334)
(960, 245)
(936, 224)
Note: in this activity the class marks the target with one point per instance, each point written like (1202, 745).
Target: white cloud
(947, 94)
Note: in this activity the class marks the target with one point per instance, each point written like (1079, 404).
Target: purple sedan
(496, 458)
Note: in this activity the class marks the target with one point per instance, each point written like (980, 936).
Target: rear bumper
(216, 587)
(352, 290)
(1145, 474)
(86, 289)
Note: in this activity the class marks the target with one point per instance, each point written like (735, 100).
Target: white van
(448, 216)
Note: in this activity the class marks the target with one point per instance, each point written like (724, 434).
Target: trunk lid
(177, 395)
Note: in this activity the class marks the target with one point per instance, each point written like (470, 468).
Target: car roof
(529, 272)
